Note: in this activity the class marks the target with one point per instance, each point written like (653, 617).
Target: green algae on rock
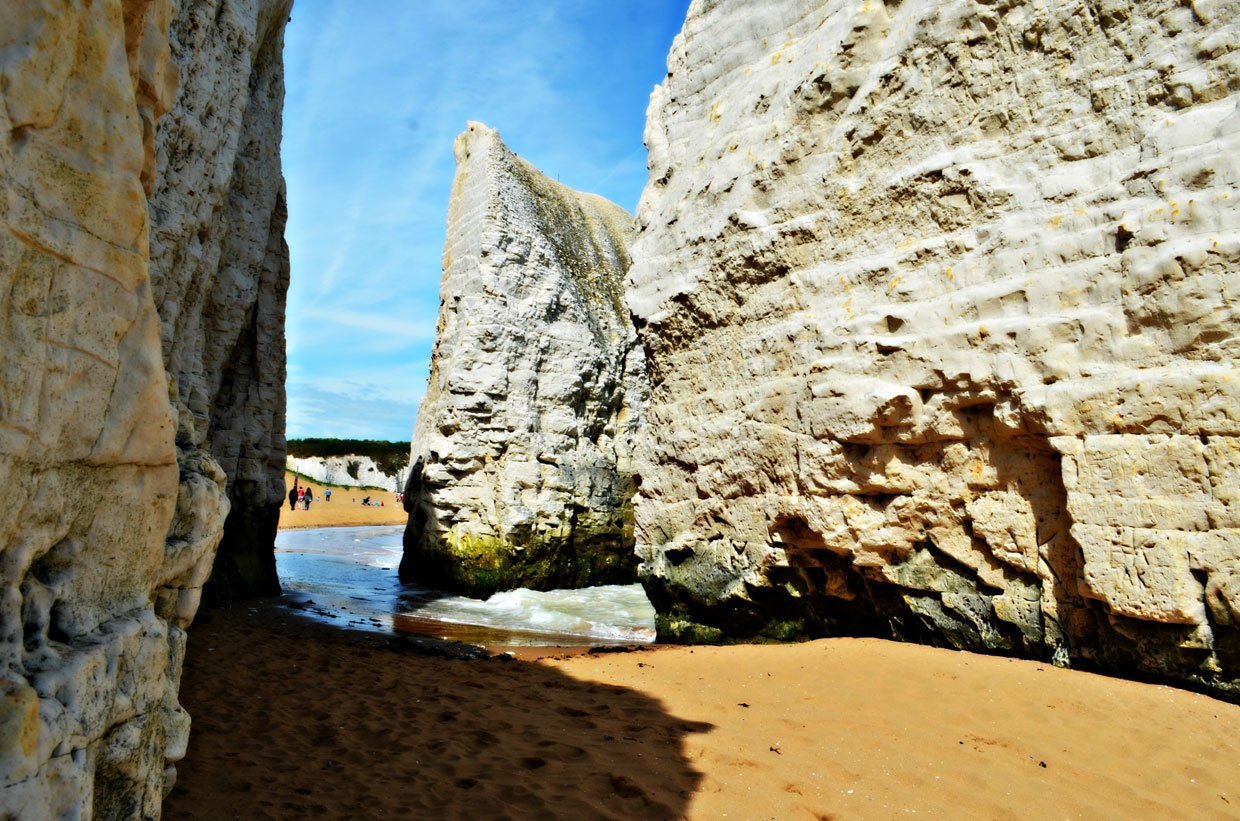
(522, 449)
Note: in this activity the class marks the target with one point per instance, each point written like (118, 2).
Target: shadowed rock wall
(115, 502)
(521, 470)
(219, 268)
(938, 302)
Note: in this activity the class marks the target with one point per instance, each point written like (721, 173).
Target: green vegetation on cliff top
(389, 456)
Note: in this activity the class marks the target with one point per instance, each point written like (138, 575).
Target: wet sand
(297, 719)
(344, 510)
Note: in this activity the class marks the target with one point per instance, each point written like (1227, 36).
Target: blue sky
(376, 93)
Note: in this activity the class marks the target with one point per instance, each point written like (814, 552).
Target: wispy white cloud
(317, 411)
(373, 400)
(390, 328)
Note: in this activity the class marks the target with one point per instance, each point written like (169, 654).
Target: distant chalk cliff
(351, 462)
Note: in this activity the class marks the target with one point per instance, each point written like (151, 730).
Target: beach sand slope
(298, 719)
(344, 510)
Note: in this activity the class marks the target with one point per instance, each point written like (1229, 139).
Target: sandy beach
(344, 510)
(295, 719)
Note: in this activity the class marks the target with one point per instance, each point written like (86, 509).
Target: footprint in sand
(625, 788)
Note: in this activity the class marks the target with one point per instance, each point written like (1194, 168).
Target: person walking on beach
(292, 498)
(309, 497)
(328, 494)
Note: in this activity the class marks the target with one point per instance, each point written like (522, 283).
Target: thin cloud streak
(377, 402)
(347, 415)
(389, 327)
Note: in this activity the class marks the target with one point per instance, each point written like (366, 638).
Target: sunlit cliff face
(934, 300)
(142, 198)
(521, 452)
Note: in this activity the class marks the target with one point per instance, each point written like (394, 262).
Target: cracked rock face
(116, 503)
(521, 471)
(938, 301)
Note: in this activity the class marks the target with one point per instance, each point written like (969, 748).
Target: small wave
(345, 566)
(617, 612)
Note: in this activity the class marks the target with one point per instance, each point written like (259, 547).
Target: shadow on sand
(297, 719)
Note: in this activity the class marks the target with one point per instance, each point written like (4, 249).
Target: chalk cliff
(115, 502)
(348, 471)
(938, 301)
(521, 456)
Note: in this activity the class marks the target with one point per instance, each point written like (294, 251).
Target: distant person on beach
(366, 501)
(292, 498)
(309, 497)
(328, 494)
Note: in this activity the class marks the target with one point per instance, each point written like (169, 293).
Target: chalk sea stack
(938, 300)
(142, 395)
(521, 460)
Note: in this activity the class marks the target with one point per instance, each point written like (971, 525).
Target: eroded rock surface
(939, 306)
(115, 505)
(521, 452)
(220, 271)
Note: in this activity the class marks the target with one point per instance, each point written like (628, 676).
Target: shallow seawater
(350, 572)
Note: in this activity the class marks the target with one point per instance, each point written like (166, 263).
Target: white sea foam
(352, 570)
(619, 612)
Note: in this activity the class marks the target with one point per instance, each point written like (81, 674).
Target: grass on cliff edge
(389, 456)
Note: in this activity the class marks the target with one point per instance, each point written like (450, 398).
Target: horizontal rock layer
(116, 504)
(938, 305)
(521, 451)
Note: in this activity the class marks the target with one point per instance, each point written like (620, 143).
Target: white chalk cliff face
(348, 471)
(521, 453)
(115, 505)
(938, 300)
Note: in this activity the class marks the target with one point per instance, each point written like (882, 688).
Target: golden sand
(344, 510)
(297, 720)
